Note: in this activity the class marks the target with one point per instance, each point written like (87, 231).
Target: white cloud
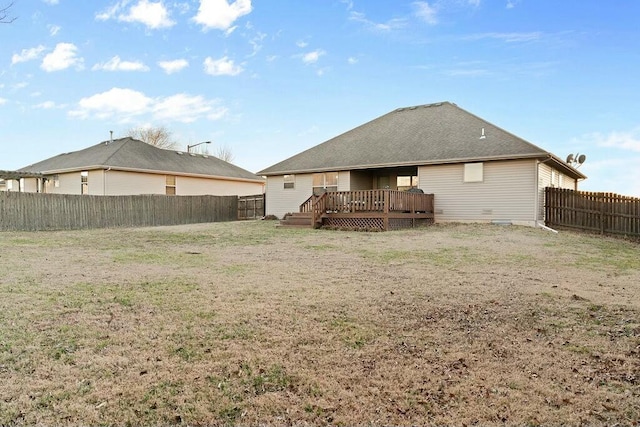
(47, 105)
(256, 43)
(53, 30)
(426, 12)
(312, 57)
(310, 131)
(221, 67)
(617, 175)
(116, 102)
(625, 140)
(116, 64)
(174, 66)
(153, 15)
(3, 101)
(349, 3)
(471, 72)
(507, 37)
(111, 12)
(392, 24)
(63, 56)
(302, 44)
(187, 109)
(126, 104)
(512, 3)
(352, 60)
(52, 2)
(221, 14)
(27, 54)
(474, 3)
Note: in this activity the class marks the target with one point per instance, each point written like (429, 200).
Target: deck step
(297, 220)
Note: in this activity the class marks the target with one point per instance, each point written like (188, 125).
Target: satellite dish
(576, 160)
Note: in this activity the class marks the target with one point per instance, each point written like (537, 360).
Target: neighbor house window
(170, 188)
(473, 172)
(327, 181)
(404, 183)
(289, 181)
(84, 182)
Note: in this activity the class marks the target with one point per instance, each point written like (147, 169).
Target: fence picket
(606, 213)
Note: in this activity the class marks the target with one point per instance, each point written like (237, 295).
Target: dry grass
(240, 323)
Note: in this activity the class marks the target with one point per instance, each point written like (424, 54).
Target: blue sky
(268, 79)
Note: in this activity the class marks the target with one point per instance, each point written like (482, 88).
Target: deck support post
(386, 210)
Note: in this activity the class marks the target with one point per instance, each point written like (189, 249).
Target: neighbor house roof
(426, 134)
(134, 155)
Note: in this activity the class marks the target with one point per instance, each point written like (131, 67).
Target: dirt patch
(243, 323)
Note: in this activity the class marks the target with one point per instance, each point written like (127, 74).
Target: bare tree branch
(224, 153)
(5, 17)
(157, 136)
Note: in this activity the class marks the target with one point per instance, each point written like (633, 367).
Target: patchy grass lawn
(243, 323)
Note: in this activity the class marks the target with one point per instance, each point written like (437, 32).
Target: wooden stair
(297, 220)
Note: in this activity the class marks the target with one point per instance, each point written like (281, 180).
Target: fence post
(601, 200)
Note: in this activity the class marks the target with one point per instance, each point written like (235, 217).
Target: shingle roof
(426, 134)
(131, 154)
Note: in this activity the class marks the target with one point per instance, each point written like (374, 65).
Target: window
(323, 182)
(84, 182)
(404, 183)
(289, 181)
(170, 188)
(473, 172)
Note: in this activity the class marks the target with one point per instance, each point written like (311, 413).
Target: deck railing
(307, 205)
(378, 201)
(370, 209)
(319, 208)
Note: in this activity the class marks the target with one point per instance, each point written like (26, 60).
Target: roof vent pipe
(111, 137)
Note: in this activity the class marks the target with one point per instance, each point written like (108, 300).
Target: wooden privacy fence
(251, 207)
(37, 211)
(606, 213)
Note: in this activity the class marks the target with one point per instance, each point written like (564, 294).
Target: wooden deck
(369, 209)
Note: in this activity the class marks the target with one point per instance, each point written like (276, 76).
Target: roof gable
(132, 154)
(420, 135)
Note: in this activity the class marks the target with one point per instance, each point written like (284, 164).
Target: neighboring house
(128, 167)
(476, 170)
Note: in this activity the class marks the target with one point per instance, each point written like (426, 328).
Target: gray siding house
(476, 170)
(127, 166)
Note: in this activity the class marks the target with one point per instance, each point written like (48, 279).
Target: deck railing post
(386, 209)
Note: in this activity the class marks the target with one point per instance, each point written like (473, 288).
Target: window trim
(84, 182)
(473, 172)
(170, 185)
(324, 186)
(289, 182)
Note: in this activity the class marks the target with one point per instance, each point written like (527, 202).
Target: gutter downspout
(540, 162)
(544, 227)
